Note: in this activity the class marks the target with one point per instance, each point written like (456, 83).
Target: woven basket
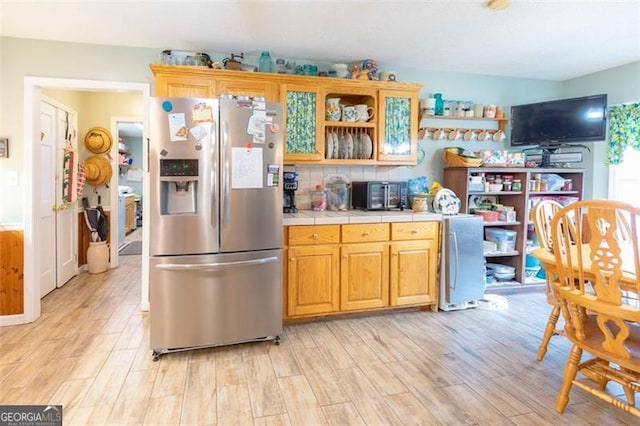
(452, 159)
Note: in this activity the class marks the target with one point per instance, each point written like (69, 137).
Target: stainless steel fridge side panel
(250, 219)
(465, 262)
(215, 300)
(184, 233)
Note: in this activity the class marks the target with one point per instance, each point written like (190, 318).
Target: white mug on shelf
(498, 136)
(366, 112)
(438, 134)
(483, 135)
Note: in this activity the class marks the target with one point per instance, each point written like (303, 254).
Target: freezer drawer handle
(216, 265)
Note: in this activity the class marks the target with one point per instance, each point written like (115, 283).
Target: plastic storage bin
(504, 239)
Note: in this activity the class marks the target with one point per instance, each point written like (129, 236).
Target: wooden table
(629, 277)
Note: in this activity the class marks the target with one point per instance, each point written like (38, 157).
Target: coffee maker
(289, 192)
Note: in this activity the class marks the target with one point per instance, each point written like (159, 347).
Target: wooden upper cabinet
(303, 112)
(398, 126)
(393, 129)
(268, 90)
(184, 86)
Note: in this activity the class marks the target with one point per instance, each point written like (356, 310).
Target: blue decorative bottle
(264, 64)
(439, 110)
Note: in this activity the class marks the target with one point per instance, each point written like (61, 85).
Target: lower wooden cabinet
(313, 276)
(410, 280)
(364, 276)
(342, 268)
(414, 263)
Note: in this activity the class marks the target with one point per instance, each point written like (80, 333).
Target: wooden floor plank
(342, 414)
(302, 405)
(371, 406)
(199, 400)
(108, 383)
(233, 405)
(321, 377)
(264, 391)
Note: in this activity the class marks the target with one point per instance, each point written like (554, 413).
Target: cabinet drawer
(365, 232)
(314, 234)
(414, 231)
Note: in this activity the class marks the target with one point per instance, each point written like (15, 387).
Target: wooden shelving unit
(457, 178)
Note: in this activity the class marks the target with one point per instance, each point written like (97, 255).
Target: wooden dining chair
(594, 279)
(543, 212)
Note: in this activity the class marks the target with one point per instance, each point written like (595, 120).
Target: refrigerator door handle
(225, 167)
(215, 265)
(454, 237)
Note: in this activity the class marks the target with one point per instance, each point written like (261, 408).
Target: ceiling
(555, 40)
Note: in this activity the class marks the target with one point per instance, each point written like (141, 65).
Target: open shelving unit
(457, 179)
(449, 125)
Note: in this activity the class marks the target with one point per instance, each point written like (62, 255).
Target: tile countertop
(310, 217)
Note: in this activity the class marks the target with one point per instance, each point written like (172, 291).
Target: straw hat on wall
(98, 170)
(98, 140)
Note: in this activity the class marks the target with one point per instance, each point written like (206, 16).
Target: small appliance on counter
(379, 195)
(290, 187)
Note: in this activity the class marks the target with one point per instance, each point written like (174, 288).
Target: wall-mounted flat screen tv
(561, 122)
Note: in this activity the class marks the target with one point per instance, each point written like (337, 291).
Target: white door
(47, 225)
(66, 217)
(57, 234)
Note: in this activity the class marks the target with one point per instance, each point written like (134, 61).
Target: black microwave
(379, 195)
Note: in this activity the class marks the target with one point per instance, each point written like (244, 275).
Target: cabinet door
(364, 276)
(302, 103)
(185, 86)
(414, 272)
(398, 120)
(129, 215)
(313, 280)
(269, 91)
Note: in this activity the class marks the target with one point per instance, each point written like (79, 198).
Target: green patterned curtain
(397, 126)
(301, 123)
(624, 130)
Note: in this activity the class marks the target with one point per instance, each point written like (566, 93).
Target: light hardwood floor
(90, 352)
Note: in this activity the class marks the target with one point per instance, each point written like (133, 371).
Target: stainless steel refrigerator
(462, 278)
(215, 248)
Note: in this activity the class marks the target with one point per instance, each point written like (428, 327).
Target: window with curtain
(624, 131)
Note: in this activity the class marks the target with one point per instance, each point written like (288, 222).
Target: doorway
(129, 132)
(32, 176)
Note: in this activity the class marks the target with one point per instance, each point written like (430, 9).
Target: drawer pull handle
(413, 231)
(293, 259)
(314, 236)
(365, 234)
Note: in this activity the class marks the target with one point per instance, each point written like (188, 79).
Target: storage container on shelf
(504, 238)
